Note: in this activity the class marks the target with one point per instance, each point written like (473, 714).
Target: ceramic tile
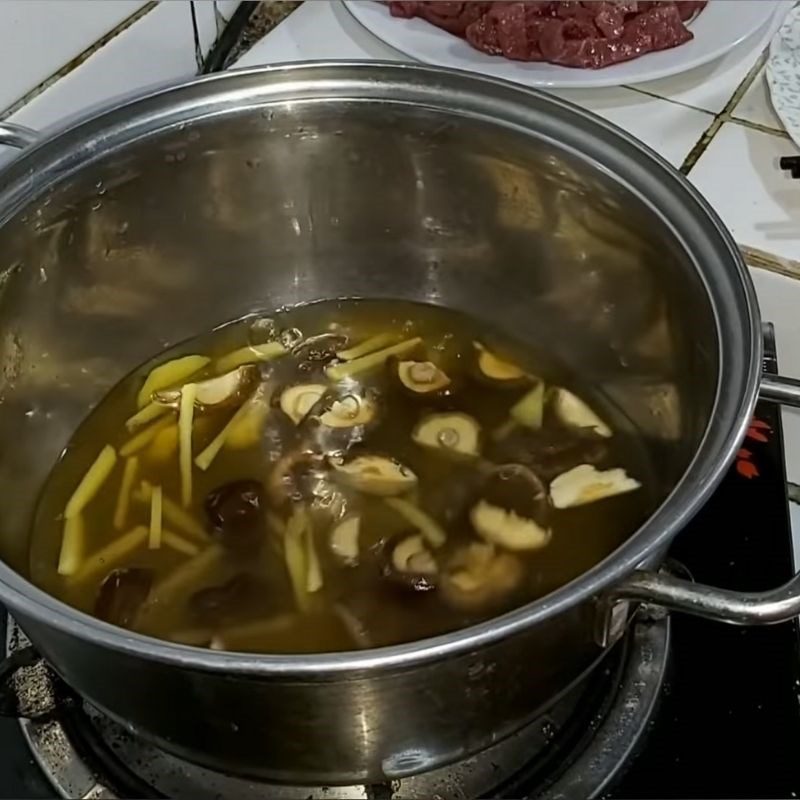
(711, 86)
(755, 105)
(32, 51)
(779, 299)
(298, 38)
(739, 176)
(209, 23)
(164, 34)
(668, 128)
(225, 8)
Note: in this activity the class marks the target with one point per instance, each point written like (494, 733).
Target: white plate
(721, 26)
(783, 74)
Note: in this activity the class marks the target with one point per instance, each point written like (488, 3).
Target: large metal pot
(146, 222)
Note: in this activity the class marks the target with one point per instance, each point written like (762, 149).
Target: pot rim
(728, 418)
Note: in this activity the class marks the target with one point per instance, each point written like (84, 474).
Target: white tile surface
(755, 105)
(209, 23)
(668, 128)
(39, 37)
(164, 35)
(711, 86)
(739, 176)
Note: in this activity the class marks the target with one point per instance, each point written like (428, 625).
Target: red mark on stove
(757, 431)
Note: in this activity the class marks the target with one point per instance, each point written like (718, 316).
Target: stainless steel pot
(147, 221)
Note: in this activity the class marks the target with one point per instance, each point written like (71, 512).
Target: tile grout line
(723, 116)
(655, 96)
(78, 60)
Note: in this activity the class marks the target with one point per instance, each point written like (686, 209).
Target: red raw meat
(590, 34)
(452, 17)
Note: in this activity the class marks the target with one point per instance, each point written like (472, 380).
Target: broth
(362, 473)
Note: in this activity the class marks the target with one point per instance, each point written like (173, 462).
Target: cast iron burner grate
(575, 751)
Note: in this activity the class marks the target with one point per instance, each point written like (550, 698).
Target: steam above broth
(343, 475)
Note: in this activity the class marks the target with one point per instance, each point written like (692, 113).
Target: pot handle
(724, 605)
(778, 389)
(17, 135)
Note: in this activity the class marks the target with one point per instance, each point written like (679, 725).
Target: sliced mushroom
(480, 577)
(516, 488)
(456, 434)
(349, 412)
(506, 528)
(575, 413)
(122, 593)
(549, 451)
(297, 401)
(220, 392)
(236, 513)
(241, 596)
(410, 563)
(496, 369)
(344, 539)
(585, 484)
(422, 377)
(375, 475)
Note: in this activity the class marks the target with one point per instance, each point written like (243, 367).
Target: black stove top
(727, 719)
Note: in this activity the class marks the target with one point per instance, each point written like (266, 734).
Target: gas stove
(681, 707)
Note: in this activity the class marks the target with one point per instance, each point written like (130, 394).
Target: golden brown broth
(385, 612)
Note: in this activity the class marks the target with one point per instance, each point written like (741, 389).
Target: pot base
(577, 749)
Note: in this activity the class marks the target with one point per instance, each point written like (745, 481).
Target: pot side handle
(724, 605)
(779, 389)
(17, 136)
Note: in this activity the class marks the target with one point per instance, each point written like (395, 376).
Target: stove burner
(576, 751)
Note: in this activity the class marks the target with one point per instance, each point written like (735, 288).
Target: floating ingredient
(251, 414)
(480, 577)
(174, 514)
(214, 393)
(298, 401)
(92, 481)
(338, 372)
(185, 417)
(147, 414)
(122, 593)
(349, 412)
(574, 412)
(424, 523)
(367, 346)
(344, 539)
(411, 564)
(251, 354)
(172, 373)
(450, 433)
(140, 440)
(154, 539)
(506, 528)
(375, 475)
(114, 552)
(528, 411)
(73, 544)
(179, 544)
(586, 484)
(495, 368)
(129, 473)
(422, 377)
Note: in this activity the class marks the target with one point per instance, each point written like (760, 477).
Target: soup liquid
(351, 603)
